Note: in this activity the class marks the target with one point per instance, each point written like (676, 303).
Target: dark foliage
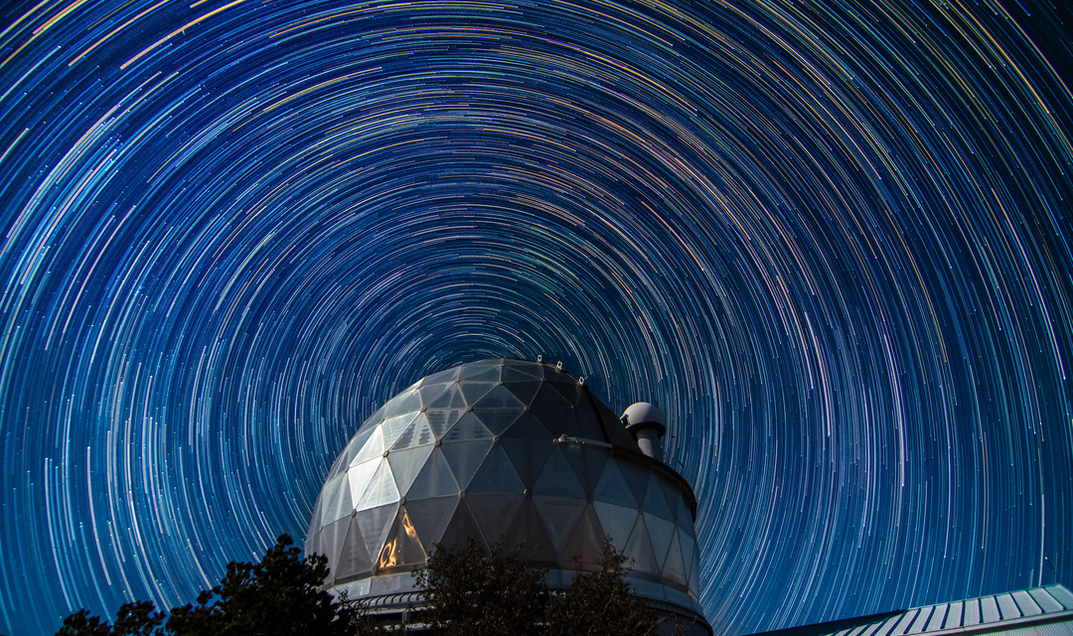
(276, 597)
(474, 592)
(601, 603)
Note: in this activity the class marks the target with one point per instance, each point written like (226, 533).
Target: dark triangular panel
(672, 496)
(613, 428)
(655, 502)
(639, 549)
(588, 424)
(685, 518)
(588, 462)
(527, 426)
(617, 522)
(674, 569)
(586, 546)
(524, 390)
(430, 517)
(496, 474)
(460, 528)
(558, 478)
(434, 480)
(353, 560)
(569, 389)
(660, 532)
(514, 370)
(465, 457)
(527, 532)
(528, 457)
(637, 479)
(494, 513)
(552, 410)
(612, 487)
(497, 420)
(560, 516)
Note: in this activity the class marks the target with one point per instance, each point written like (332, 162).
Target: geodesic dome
(507, 450)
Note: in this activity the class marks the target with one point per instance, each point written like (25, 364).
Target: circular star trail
(830, 240)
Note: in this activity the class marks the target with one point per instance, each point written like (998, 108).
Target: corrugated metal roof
(1040, 611)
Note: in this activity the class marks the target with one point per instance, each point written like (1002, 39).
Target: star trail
(830, 240)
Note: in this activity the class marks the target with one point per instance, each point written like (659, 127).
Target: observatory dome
(502, 449)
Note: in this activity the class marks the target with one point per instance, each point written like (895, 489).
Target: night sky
(833, 242)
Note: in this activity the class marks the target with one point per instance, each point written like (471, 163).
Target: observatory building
(509, 450)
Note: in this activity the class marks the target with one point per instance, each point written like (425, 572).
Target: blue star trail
(832, 241)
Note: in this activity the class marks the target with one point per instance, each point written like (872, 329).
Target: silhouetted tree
(476, 592)
(279, 596)
(601, 603)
